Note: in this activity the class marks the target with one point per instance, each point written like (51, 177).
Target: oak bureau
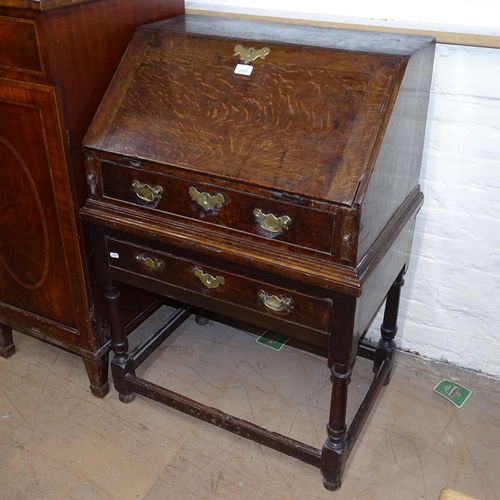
(268, 173)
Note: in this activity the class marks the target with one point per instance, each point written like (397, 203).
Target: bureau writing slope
(268, 173)
(56, 59)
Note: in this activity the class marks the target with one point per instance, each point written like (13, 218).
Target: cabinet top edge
(41, 5)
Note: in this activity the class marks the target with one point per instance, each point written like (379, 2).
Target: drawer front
(229, 288)
(19, 49)
(209, 203)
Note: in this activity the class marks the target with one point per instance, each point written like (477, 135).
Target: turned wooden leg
(201, 320)
(97, 371)
(7, 346)
(386, 346)
(121, 364)
(202, 316)
(335, 450)
(333, 454)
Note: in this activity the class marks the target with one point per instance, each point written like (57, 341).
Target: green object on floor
(273, 340)
(455, 393)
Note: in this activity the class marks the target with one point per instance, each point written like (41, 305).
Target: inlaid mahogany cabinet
(268, 173)
(56, 59)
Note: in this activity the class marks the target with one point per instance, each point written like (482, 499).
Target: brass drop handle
(275, 303)
(205, 200)
(145, 192)
(208, 280)
(150, 263)
(270, 222)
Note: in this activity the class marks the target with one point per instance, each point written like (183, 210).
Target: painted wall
(451, 305)
(479, 17)
(451, 301)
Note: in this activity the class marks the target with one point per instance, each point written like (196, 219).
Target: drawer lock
(275, 303)
(147, 193)
(205, 200)
(270, 222)
(208, 280)
(150, 263)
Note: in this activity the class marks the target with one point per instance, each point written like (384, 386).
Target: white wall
(466, 16)
(451, 306)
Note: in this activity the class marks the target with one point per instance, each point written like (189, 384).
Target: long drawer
(181, 276)
(215, 204)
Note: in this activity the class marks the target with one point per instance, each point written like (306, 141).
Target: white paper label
(243, 69)
(114, 255)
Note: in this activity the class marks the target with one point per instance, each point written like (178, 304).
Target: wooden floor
(59, 442)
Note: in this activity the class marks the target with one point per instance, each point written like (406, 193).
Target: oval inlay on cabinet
(26, 236)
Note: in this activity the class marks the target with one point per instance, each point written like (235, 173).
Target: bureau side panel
(397, 168)
(380, 280)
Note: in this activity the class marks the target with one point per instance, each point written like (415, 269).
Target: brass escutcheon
(150, 263)
(249, 55)
(205, 200)
(208, 280)
(145, 192)
(270, 222)
(275, 303)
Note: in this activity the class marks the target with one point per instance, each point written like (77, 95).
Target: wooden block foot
(97, 371)
(101, 391)
(7, 346)
(8, 351)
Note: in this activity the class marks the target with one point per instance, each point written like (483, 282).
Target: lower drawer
(183, 276)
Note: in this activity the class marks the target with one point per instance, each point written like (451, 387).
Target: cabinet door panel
(33, 263)
(20, 50)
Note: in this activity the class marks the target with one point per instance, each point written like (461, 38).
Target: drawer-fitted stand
(267, 173)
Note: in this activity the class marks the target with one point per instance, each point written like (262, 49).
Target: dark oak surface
(56, 60)
(339, 103)
(41, 5)
(305, 181)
